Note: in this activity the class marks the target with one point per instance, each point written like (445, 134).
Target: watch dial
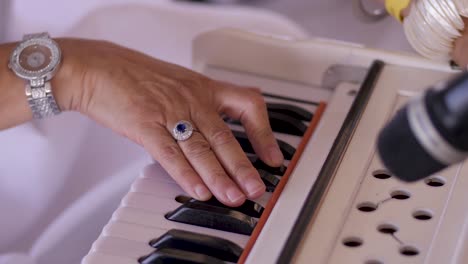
(35, 57)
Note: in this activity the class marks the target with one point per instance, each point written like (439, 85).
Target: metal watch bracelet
(41, 100)
(39, 92)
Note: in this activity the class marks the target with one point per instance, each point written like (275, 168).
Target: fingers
(229, 153)
(196, 168)
(162, 146)
(211, 161)
(459, 54)
(249, 107)
(199, 153)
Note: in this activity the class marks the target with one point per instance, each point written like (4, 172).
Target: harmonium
(332, 201)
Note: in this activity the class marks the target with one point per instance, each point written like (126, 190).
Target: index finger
(229, 153)
(248, 106)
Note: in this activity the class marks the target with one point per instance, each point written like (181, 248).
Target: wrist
(14, 108)
(66, 84)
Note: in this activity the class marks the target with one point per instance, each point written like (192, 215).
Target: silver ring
(182, 130)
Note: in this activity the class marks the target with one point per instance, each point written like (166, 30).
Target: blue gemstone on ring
(181, 128)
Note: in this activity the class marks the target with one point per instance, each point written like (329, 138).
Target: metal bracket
(339, 73)
(368, 12)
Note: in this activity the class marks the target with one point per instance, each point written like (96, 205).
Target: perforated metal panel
(368, 216)
(391, 220)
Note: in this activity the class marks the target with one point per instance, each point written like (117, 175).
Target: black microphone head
(401, 153)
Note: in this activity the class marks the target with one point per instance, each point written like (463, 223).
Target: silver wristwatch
(36, 59)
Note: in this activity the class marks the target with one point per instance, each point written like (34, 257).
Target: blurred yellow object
(394, 7)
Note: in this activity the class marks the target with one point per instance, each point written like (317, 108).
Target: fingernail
(276, 156)
(254, 187)
(234, 195)
(202, 192)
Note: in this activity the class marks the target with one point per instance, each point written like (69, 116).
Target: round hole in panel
(381, 174)
(436, 181)
(367, 207)
(409, 251)
(387, 228)
(400, 194)
(373, 261)
(352, 92)
(422, 214)
(352, 242)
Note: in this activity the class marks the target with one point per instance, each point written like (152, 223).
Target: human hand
(460, 47)
(143, 98)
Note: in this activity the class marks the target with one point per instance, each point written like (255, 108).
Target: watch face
(35, 57)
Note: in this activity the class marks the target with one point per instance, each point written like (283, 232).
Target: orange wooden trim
(279, 189)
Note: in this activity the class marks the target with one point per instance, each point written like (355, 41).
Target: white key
(100, 258)
(290, 139)
(155, 171)
(132, 232)
(156, 188)
(120, 247)
(263, 200)
(150, 203)
(170, 191)
(153, 220)
(165, 204)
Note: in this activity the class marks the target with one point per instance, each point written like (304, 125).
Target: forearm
(14, 107)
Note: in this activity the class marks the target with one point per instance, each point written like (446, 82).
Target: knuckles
(256, 101)
(243, 171)
(170, 152)
(197, 148)
(222, 137)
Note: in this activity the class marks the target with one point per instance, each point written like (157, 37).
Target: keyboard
(157, 209)
(321, 97)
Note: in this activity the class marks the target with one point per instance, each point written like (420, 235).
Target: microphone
(429, 133)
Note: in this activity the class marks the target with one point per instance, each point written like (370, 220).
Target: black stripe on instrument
(289, 99)
(334, 158)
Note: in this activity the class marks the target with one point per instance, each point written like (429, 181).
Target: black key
(269, 179)
(290, 110)
(260, 165)
(219, 248)
(287, 150)
(249, 207)
(175, 256)
(203, 214)
(281, 123)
